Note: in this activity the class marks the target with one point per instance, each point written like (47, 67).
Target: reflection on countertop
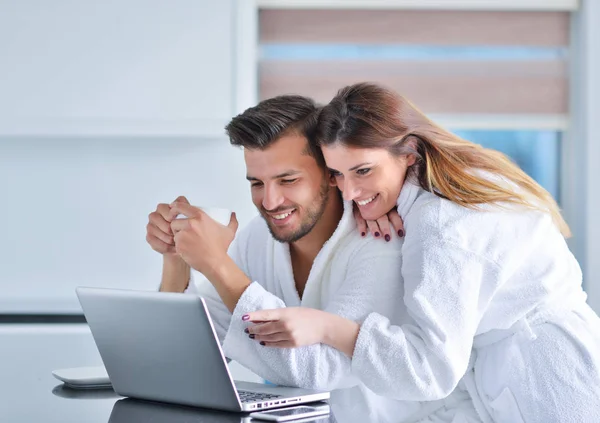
(136, 411)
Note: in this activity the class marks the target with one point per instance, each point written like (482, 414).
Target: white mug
(220, 215)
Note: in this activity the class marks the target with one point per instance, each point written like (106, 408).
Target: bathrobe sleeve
(317, 366)
(201, 286)
(219, 313)
(447, 287)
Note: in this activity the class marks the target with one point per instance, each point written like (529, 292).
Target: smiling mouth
(367, 201)
(282, 216)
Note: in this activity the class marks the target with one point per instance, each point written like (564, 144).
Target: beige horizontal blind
(444, 61)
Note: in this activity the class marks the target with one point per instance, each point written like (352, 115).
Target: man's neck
(309, 245)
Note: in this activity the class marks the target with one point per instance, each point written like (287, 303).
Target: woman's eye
(363, 171)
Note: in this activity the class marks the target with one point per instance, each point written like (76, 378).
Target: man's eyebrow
(286, 174)
(281, 175)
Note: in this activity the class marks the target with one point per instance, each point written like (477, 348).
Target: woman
(493, 293)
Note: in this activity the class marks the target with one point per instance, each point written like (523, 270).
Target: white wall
(74, 210)
(116, 67)
(106, 109)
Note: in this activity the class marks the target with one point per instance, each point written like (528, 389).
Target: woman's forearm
(340, 333)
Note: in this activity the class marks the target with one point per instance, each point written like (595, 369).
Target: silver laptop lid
(151, 344)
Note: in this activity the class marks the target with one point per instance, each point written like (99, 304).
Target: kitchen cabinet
(127, 67)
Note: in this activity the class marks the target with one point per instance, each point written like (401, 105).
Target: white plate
(83, 377)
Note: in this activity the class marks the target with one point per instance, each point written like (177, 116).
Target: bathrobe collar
(408, 195)
(312, 290)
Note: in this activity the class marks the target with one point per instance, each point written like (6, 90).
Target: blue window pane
(287, 51)
(536, 152)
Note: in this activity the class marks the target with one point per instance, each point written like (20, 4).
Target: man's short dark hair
(260, 126)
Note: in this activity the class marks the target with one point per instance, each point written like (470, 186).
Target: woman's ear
(332, 181)
(412, 143)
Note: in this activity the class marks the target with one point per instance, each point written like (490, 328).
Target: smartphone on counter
(291, 413)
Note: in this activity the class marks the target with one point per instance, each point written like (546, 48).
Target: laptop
(162, 346)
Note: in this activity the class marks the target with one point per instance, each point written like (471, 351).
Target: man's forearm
(341, 333)
(175, 274)
(229, 281)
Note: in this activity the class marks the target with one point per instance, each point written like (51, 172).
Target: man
(303, 251)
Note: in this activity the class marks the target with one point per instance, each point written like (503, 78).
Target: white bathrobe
(352, 277)
(496, 308)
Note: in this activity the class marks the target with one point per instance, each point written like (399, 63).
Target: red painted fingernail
(245, 317)
(362, 234)
(252, 336)
(376, 234)
(400, 233)
(246, 330)
(387, 238)
(262, 343)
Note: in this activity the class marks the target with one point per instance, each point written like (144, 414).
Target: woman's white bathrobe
(496, 308)
(352, 277)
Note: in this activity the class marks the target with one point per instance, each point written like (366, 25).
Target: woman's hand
(288, 327)
(381, 227)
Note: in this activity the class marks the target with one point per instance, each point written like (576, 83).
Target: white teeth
(282, 216)
(367, 201)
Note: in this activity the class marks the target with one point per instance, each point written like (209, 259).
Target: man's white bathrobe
(496, 308)
(352, 277)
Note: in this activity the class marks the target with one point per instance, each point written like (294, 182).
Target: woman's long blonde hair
(367, 115)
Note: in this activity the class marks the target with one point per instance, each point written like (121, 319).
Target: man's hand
(158, 230)
(176, 272)
(202, 243)
(198, 239)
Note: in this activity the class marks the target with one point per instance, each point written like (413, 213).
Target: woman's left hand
(381, 227)
(288, 327)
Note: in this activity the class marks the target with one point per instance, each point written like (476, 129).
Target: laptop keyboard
(249, 396)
